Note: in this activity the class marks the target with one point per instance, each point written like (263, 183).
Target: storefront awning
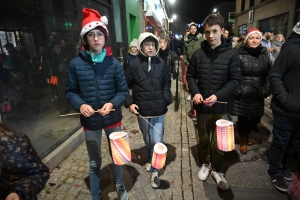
(150, 16)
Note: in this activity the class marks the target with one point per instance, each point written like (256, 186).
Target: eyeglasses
(92, 35)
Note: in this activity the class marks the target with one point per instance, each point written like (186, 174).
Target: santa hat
(251, 31)
(296, 28)
(134, 43)
(91, 19)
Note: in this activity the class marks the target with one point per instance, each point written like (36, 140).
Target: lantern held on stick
(225, 135)
(159, 155)
(119, 142)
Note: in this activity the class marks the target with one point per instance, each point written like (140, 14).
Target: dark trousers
(285, 139)
(209, 152)
(246, 124)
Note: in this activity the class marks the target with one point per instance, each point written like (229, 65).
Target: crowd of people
(215, 68)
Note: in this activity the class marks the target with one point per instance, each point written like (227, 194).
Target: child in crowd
(150, 81)
(132, 53)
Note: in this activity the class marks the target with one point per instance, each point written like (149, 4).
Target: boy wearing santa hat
(96, 85)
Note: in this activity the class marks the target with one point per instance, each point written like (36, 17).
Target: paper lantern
(159, 155)
(53, 80)
(225, 135)
(119, 142)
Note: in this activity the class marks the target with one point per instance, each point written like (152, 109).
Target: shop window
(65, 7)
(279, 23)
(11, 38)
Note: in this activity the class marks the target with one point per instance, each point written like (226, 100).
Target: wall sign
(250, 17)
(242, 29)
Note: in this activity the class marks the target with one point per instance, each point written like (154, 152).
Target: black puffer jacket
(285, 79)
(218, 72)
(150, 90)
(248, 100)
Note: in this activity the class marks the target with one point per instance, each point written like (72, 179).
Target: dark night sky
(197, 10)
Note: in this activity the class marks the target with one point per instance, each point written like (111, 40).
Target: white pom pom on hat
(104, 20)
(92, 19)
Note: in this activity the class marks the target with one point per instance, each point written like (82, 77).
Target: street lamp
(174, 16)
(215, 10)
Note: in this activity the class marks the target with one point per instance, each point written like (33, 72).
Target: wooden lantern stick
(80, 113)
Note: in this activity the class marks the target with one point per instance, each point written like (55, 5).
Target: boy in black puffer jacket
(216, 66)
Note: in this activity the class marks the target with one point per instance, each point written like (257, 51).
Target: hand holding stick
(80, 113)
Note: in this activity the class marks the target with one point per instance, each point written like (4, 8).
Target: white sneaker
(220, 180)
(204, 172)
(155, 181)
(188, 98)
(148, 167)
(194, 118)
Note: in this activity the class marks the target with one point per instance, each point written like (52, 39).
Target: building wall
(133, 21)
(224, 9)
(263, 10)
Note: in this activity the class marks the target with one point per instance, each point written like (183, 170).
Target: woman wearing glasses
(96, 85)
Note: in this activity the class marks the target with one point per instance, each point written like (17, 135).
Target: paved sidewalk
(179, 178)
(246, 174)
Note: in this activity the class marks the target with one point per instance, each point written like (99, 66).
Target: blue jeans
(93, 144)
(285, 133)
(151, 135)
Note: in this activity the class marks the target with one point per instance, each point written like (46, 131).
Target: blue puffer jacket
(96, 84)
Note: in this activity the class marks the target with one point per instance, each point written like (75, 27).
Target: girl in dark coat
(167, 55)
(248, 100)
(132, 53)
(96, 85)
(23, 175)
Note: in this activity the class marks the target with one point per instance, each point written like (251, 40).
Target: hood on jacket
(142, 37)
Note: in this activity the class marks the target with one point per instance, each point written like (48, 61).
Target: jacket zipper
(95, 81)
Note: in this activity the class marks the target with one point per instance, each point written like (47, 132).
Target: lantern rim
(223, 122)
(160, 148)
(117, 135)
